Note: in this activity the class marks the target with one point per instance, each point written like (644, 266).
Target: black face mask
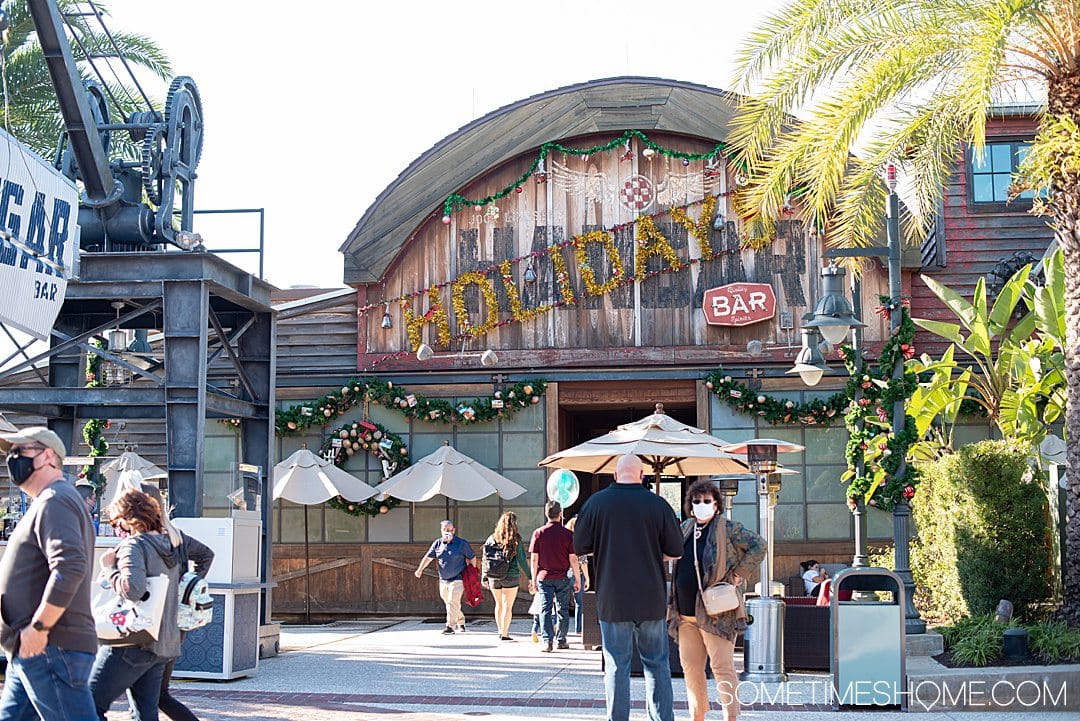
(20, 467)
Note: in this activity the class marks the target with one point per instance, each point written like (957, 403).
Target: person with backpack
(190, 551)
(503, 563)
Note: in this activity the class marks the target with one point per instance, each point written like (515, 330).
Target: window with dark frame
(991, 172)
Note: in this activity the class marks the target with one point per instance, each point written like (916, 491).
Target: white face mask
(704, 511)
(447, 536)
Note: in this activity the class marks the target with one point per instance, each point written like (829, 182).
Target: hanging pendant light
(530, 274)
(387, 321)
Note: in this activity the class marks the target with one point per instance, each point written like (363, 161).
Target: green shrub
(983, 534)
(1054, 642)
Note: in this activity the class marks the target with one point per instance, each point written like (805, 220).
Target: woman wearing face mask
(725, 551)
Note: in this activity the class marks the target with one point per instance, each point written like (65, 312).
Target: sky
(312, 109)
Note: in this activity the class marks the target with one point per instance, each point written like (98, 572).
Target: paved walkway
(406, 670)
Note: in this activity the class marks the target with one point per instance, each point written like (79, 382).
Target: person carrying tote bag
(715, 551)
(136, 665)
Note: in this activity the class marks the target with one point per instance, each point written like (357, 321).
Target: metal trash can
(867, 644)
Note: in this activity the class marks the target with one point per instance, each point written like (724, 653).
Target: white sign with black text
(39, 238)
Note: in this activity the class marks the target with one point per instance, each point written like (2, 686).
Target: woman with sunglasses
(145, 551)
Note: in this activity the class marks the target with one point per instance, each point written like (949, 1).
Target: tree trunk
(1070, 245)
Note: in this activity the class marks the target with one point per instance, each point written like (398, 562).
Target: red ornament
(446, 220)
(909, 492)
(907, 350)
(517, 189)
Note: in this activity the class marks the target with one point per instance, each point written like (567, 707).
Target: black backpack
(496, 561)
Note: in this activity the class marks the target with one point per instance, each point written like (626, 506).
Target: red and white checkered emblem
(637, 193)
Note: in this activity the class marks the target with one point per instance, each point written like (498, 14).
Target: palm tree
(31, 113)
(910, 82)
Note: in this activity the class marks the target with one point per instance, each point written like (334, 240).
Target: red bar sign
(739, 304)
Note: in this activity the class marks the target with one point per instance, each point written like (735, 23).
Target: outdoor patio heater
(763, 644)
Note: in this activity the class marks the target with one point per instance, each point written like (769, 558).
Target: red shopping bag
(470, 579)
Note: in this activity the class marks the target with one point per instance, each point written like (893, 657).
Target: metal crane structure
(141, 271)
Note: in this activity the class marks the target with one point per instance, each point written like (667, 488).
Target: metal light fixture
(755, 348)
(809, 363)
(833, 315)
(487, 359)
(387, 321)
(530, 274)
(718, 222)
(141, 343)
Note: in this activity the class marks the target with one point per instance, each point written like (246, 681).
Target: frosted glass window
(220, 452)
(824, 445)
(522, 450)
(788, 523)
(534, 482)
(216, 488)
(475, 523)
(827, 520)
(392, 420)
(423, 444)
(724, 416)
(824, 483)
(746, 515)
(530, 418)
(391, 526)
(791, 489)
(879, 523)
(482, 447)
(426, 522)
(292, 525)
(342, 527)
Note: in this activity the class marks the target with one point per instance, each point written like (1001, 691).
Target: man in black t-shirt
(631, 532)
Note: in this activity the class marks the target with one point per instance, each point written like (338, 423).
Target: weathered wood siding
(626, 325)
(322, 341)
(976, 241)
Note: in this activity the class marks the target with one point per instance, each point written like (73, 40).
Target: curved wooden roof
(608, 105)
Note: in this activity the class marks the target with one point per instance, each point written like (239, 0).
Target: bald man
(631, 532)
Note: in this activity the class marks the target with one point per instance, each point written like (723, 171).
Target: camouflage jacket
(745, 551)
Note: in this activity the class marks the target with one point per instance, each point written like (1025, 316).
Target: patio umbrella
(450, 473)
(127, 461)
(663, 444)
(6, 427)
(307, 478)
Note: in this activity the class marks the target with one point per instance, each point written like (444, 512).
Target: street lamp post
(829, 314)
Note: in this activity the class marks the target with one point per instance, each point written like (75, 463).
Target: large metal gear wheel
(184, 119)
(153, 155)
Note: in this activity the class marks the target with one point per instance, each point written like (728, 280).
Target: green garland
(374, 438)
(456, 201)
(865, 404)
(320, 412)
(367, 436)
(93, 432)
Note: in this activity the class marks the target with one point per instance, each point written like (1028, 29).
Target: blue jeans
(51, 685)
(555, 592)
(132, 669)
(578, 616)
(652, 642)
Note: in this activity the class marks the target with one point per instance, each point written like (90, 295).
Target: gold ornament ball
(343, 434)
(352, 508)
(534, 400)
(344, 390)
(328, 413)
(355, 426)
(377, 435)
(528, 390)
(352, 433)
(404, 451)
(383, 509)
(349, 451)
(291, 425)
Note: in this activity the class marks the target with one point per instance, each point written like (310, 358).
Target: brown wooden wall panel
(583, 194)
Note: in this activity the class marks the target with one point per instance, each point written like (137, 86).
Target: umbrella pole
(307, 571)
(447, 500)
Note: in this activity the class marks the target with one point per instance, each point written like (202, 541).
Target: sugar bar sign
(738, 304)
(39, 236)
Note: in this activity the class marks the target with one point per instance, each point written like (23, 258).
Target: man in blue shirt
(452, 554)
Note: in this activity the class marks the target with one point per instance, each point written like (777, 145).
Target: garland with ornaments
(456, 201)
(865, 405)
(371, 437)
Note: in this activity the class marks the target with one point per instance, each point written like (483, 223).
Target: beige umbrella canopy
(307, 478)
(450, 473)
(6, 427)
(127, 462)
(665, 445)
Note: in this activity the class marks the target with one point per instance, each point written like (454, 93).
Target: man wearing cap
(46, 628)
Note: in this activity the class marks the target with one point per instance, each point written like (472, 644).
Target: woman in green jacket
(504, 562)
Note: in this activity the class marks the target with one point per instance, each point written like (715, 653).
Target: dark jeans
(652, 641)
(556, 593)
(52, 685)
(132, 669)
(168, 704)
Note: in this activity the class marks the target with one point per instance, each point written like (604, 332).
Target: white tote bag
(122, 622)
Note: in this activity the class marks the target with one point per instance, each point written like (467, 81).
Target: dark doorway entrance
(578, 424)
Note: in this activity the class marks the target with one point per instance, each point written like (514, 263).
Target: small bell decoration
(387, 321)
(530, 274)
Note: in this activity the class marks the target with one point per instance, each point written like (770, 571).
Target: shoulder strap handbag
(119, 621)
(720, 597)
